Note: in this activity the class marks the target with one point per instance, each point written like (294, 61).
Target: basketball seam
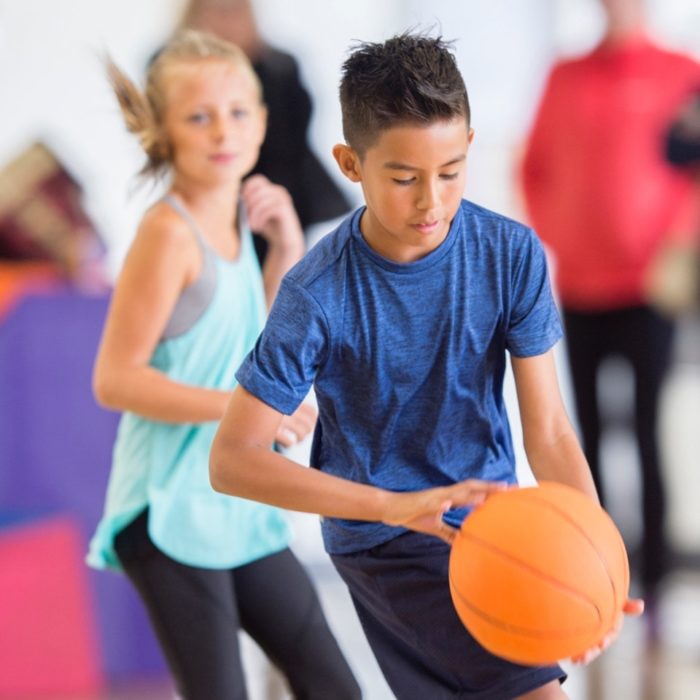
(515, 629)
(557, 584)
(576, 526)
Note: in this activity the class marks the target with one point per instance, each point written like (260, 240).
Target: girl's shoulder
(162, 228)
(164, 239)
(164, 222)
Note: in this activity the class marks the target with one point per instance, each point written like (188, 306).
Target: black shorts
(401, 593)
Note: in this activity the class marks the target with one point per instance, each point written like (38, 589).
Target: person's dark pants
(197, 614)
(401, 593)
(644, 338)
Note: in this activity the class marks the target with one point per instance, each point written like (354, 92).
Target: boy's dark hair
(409, 78)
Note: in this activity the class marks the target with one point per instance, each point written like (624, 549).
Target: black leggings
(197, 613)
(643, 338)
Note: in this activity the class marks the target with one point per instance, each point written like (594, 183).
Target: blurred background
(69, 205)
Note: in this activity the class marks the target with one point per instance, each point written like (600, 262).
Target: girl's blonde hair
(143, 110)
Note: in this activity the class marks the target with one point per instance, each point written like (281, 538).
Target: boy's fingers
(448, 534)
(474, 492)
(633, 606)
(587, 657)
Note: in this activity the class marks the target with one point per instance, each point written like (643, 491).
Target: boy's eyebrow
(394, 165)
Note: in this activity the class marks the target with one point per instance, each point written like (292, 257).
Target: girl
(188, 305)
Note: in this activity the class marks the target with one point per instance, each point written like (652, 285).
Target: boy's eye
(449, 176)
(406, 181)
(239, 113)
(198, 118)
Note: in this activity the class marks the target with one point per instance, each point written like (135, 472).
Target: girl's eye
(198, 118)
(449, 176)
(239, 113)
(408, 181)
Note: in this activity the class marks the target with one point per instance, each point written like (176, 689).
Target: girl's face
(214, 121)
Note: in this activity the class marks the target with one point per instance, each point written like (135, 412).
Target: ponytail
(140, 119)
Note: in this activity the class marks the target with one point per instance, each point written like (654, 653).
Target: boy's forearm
(259, 474)
(563, 461)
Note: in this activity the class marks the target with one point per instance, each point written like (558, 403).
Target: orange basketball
(539, 574)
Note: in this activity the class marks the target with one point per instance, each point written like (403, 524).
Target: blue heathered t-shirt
(407, 360)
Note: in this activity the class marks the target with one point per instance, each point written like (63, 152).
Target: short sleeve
(533, 325)
(281, 367)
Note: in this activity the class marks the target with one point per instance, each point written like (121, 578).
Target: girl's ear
(348, 162)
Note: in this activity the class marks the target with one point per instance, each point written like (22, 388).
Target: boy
(401, 319)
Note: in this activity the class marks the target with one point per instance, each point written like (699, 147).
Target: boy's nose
(428, 197)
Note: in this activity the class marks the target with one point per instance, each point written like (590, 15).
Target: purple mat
(55, 451)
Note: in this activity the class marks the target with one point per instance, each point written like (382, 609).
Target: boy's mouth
(426, 226)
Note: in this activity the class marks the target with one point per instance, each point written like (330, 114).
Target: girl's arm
(157, 268)
(551, 444)
(271, 213)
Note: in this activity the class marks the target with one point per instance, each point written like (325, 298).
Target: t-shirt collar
(405, 268)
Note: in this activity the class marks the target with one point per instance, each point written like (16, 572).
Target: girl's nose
(218, 129)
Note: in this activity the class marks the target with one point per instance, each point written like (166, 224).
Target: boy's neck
(393, 250)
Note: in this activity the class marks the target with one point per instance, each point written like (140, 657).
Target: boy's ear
(348, 161)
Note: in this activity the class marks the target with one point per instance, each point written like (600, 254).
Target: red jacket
(598, 188)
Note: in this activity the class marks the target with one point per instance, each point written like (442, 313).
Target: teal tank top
(165, 466)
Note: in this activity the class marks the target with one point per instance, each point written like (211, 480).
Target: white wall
(53, 88)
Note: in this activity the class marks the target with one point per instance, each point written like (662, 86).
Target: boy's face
(412, 179)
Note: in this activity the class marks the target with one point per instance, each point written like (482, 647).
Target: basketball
(539, 574)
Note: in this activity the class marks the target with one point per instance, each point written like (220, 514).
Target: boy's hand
(633, 607)
(422, 511)
(271, 212)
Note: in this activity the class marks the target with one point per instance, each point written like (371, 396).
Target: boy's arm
(551, 444)
(553, 449)
(242, 464)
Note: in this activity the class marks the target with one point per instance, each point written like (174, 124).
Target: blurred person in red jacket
(605, 201)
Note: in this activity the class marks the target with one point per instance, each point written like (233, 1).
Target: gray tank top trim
(195, 298)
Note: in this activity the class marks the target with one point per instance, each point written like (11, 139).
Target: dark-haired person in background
(683, 138)
(286, 157)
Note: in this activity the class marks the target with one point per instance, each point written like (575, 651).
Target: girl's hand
(422, 511)
(296, 427)
(633, 607)
(271, 213)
